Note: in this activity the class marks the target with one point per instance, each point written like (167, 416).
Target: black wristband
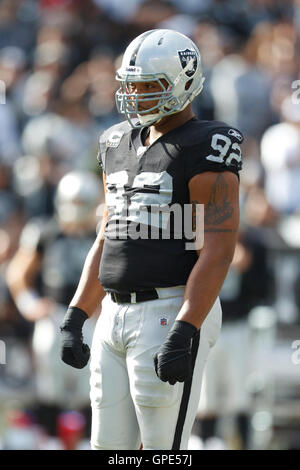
(184, 328)
(74, 318)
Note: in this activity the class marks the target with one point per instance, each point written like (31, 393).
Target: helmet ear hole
(188, 84)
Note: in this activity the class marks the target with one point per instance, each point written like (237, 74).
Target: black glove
(73, 351)
(173, 360)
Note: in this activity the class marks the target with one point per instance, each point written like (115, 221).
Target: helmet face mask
(167, 58)
(129, 102)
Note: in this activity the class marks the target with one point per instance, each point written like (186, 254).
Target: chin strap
(146, 118)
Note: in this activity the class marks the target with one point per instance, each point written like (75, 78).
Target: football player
(160, 308)
(42, 277)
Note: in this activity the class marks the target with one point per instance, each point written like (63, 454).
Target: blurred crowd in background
(57, 84)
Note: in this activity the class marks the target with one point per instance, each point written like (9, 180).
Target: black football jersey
(143, 247)
(62, 257)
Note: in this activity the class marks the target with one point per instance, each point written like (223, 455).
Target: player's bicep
(219, 193)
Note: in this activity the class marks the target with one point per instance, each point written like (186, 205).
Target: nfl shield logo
(185, 57)
(163, 321)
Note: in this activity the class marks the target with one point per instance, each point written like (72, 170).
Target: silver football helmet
(77, 197)
(155, 55)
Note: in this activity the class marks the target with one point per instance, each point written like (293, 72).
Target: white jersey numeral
(148, 189)
(115, 201)
(221, 144)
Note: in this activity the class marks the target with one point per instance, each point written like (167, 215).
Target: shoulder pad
(217, 148)
(111, 138)
(231, 132)
(37, 231)
(200, 131)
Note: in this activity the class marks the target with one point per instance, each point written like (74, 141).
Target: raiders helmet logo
(186, 57)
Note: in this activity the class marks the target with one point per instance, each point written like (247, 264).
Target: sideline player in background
(42, 277)
(160, 308)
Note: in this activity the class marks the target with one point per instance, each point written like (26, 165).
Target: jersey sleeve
(101, 152)
(110, 139)
(219, 151)
(36, 232)
(32, 236)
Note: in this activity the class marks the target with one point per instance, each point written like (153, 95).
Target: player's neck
(168, 124)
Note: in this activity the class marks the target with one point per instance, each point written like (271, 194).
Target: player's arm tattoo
(219, 208)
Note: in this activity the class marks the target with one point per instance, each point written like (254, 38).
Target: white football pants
(130, 404)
